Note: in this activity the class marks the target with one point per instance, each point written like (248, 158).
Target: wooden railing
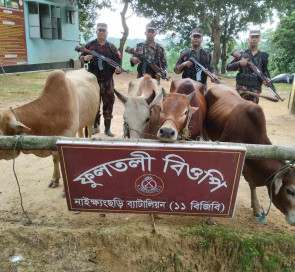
(49, 143)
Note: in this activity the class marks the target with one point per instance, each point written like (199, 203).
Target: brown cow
(67, 103)
(185, 107)
(233, 119)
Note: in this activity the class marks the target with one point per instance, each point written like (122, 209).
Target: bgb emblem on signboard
(149, 185)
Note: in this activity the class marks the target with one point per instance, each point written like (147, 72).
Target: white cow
(143, 95)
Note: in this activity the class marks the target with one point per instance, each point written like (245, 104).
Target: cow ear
(1, 117)
(18, 126)
(157, 99)
(194, 109)
(164, 92)
(278, 185)
(121, 97)
(150, 99)
(191, 96)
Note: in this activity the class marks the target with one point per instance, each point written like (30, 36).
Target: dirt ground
(59, 240)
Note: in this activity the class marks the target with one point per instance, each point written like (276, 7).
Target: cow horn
(157, 99)
(150, 99)
(191, 95)
(164, 92)
(121, 97)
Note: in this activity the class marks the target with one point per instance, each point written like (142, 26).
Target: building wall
(41, 50)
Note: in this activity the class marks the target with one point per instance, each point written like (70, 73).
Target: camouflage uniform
(246, 80)
(154, 53)
(204, 57)
(105, 76)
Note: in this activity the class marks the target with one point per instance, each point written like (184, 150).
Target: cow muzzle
(167, 134)
(290, 218)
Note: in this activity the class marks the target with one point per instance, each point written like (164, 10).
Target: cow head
(284, 195)
(175, 112)
(137, 112)
(9, 126)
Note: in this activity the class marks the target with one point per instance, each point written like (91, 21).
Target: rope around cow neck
(261, 218)
(20, 137)
(185, 134)
(126, 134)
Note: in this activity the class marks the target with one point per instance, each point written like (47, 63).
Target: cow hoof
(53, 184)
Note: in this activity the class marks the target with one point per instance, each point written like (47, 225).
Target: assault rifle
(206, 71)
(150, 63)
(109, 61)
(237, 55)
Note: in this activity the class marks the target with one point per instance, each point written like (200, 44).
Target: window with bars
(44, 21)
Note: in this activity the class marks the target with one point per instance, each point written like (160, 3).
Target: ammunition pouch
(249, 80)
(143, 68)
(106, 72)
(93, 65)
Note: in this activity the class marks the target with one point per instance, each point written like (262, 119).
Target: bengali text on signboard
(151, 178)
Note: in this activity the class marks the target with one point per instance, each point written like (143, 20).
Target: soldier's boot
(107, 124)
(96, 128)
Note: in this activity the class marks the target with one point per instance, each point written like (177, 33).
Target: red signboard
(151, 178)
(13, 48)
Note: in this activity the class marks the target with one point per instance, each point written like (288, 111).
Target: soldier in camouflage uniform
(104, 74)
(202, 55)
(152, 51)
(246, 80)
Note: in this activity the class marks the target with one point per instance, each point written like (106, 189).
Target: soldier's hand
(87, 57)
(187, 64)
(213, 79)
(243, 62)
(135, 60)
(118, 70)
(157, 77)
(267, 81)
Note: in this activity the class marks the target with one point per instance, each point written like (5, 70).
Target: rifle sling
(145, 63)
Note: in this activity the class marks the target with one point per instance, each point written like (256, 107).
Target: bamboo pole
(49, 143)
(292, 99)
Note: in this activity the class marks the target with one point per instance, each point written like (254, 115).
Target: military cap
(150, 26)
(102, 26)
(254, 33)
(197, 31)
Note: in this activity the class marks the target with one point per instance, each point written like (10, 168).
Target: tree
(126, 5)
(88, 14)
(214, 16)
(283, 7)
(283, 59)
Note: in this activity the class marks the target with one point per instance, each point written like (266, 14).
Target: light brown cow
(183, 108)
(67, 103)
(143, 95)
(233, 119)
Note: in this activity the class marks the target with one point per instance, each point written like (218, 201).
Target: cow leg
(56, 173)
(80, 133)
(90, 129)
(254, 201)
